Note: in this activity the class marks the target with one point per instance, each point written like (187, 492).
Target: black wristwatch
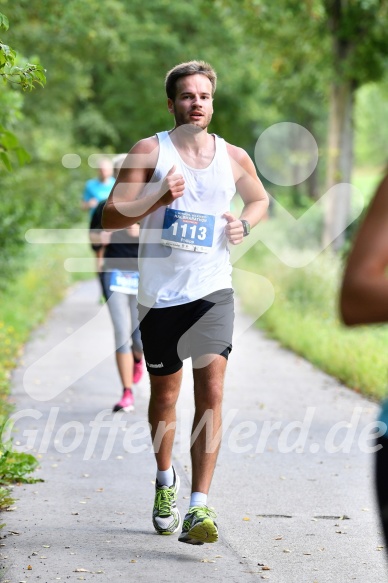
(246, 227)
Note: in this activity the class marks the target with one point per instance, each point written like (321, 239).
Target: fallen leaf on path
(246, 518)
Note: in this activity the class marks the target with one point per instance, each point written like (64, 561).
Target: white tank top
(173, 268)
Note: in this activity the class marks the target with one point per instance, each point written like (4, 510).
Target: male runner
(179, 185)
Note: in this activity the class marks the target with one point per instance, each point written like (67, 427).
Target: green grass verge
(42, 283)
(24, 304)
(304, 318)
(367, 179)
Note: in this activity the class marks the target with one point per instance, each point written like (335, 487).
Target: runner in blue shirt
(98, 189)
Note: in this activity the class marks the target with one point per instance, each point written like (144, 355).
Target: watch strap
(246, 227)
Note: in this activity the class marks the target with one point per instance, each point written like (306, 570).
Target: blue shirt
(94, 188)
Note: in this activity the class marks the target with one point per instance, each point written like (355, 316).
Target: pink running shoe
(126, 402)
(137, 371)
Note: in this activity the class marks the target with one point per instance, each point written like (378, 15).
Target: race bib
(188, 231)
(126, 282)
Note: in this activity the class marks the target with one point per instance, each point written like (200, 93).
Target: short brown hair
(186, 69)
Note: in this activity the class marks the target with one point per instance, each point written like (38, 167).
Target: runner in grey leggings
(120, 278)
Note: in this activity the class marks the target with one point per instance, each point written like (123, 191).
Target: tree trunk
(313, 185)
(340, 136)
(339, 163)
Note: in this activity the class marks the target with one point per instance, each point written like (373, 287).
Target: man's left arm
(252, 192)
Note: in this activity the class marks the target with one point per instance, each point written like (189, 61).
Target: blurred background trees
(319, 63)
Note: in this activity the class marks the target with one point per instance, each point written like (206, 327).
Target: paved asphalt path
(292, 489)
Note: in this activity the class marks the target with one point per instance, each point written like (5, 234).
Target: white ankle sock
(198, 499)
(165, 477)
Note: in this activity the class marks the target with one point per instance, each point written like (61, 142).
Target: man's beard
(194, 127)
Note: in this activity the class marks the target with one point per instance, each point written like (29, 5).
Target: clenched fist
(234, 229)
(173, 187)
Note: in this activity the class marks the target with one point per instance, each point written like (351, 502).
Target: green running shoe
(165, 516)
(199, 526)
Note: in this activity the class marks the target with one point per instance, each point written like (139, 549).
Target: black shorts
(170, 335)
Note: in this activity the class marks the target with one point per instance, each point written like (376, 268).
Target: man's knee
(164, 391)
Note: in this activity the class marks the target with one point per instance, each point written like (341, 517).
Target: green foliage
(15, 467)
(4, 23)
(5, 500)
(25, 77)
(371, 138)
(294, 58)
(304, 318)
(106, 64)
(9, 144)
(358, 29)
(338, 43)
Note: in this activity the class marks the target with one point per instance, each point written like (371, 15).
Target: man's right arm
(124, 207)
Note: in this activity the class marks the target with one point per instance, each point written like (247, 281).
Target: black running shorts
(170, 335)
